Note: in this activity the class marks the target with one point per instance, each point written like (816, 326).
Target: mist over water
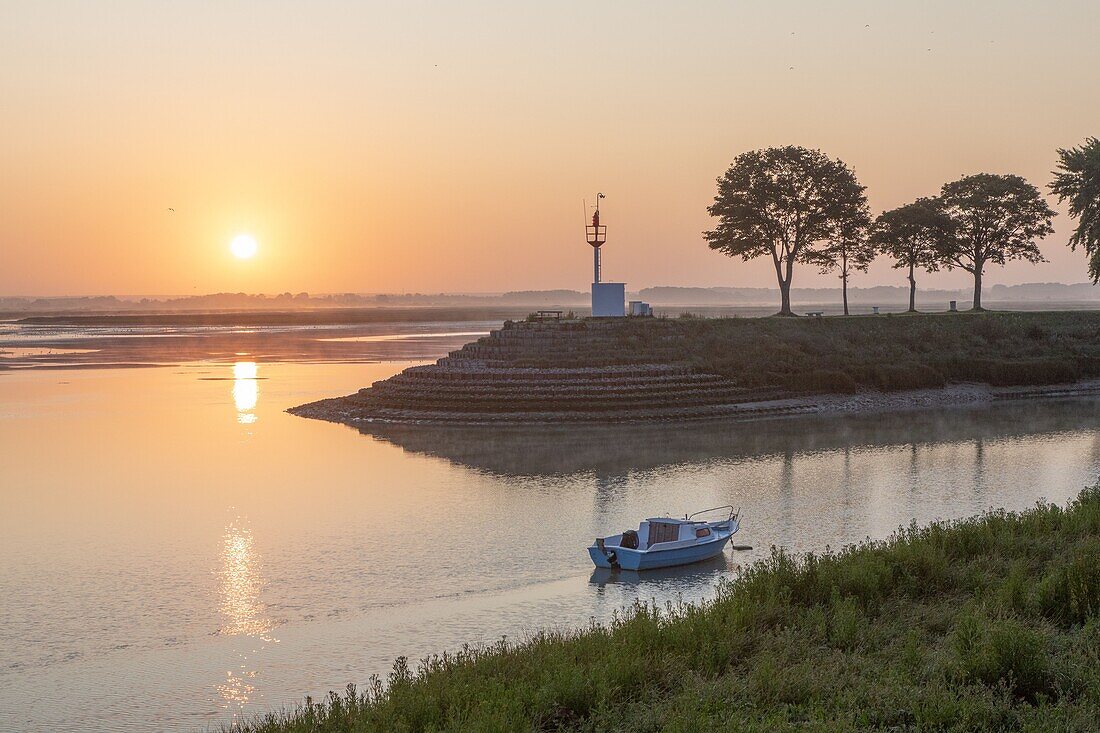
(180, 552)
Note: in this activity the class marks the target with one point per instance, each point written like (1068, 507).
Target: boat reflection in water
(665, 579)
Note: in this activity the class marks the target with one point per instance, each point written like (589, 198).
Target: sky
(448, 147)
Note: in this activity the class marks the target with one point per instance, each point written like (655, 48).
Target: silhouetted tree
(1078, 181)
(847, 251)
(786, 203)
(994, 219)
(912, 235)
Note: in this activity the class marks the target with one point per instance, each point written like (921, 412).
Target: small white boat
(662, 542)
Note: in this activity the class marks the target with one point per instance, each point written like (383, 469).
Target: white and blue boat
(662, 542)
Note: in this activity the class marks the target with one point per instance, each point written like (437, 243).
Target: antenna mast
(596, 234)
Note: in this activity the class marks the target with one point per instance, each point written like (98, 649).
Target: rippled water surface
(178, 551)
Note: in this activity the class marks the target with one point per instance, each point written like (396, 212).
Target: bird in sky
(171, 209)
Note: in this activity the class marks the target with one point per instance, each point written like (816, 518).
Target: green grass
(886, 352)
(894, 352)
(990, 623)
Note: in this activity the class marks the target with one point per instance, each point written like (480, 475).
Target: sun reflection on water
(241, 583)
(246, 391)
(236, 690)
(243, 612)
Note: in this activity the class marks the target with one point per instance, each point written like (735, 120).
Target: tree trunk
(844, 289)
(912, 289)
(784, 270)
(785, 292)
(978, 288)
(844, 276)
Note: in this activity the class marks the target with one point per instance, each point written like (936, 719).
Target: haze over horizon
(1057, 292)
(440, 148)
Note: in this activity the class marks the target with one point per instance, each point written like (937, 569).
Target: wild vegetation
(990, 623)
(887, 352)
(903, 352)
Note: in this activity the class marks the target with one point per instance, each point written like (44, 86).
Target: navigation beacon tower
(607, 298)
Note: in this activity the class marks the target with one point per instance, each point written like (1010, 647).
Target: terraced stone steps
(585, 370)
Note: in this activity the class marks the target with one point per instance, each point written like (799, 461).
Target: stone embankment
(572, 370)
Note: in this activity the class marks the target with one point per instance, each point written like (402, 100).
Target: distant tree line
(798, 206)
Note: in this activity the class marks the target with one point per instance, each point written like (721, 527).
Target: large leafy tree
(1077, 180)
(912, 236)
(994, 219)
(784, 203)
(847, 251)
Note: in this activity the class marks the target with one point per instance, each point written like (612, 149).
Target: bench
(815, 314)
(547, 315)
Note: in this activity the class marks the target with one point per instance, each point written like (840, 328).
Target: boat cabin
(661, 530)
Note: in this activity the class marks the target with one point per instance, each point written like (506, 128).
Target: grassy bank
(991, 623)
(888, 352)
(846, 354)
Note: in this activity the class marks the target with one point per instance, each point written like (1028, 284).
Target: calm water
(177, 551)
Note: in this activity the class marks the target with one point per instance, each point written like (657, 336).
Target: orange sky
(430, 147)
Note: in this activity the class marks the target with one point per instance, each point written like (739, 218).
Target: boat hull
(648, 559)
(599, 559)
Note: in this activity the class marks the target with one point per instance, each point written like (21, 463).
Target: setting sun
(243, 246)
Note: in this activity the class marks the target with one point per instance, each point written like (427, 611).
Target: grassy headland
(658, 369)
(991, 623)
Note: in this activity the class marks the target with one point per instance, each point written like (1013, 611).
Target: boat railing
(732, 515)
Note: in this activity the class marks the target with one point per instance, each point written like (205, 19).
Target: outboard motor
(629, 540)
